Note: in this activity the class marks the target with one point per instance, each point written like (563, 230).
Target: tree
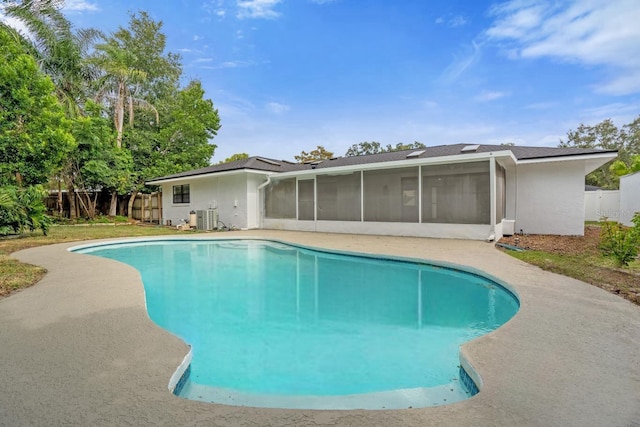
(34, 132)
(61, 53)
(620, 168)
(59, 50)
(133, 64)
(606, 135)
(234, 158)
(400, 146)
(117, 83)
(364, 148)
(189, 122)
(320, 153)
(96, 164)
(373, 147)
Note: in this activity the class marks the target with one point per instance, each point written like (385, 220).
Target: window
(181, 193)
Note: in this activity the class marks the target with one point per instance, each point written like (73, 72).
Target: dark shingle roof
(253, 163)
(271, 165)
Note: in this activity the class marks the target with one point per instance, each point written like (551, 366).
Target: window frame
(181, 197)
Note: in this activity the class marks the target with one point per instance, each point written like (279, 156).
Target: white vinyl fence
(629, 197)
(601, 204)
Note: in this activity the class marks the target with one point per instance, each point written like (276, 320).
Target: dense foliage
(23, 209)
(320, 153)
(607, 136)
(374, 147)
(34, 133)
(234, 157)
(117, 95)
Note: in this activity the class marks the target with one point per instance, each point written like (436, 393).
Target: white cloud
(196, 38)
(228, 64)
(257, 9)
(277, 108)
(460, 64)
(487, 96)
(456, 21)
(588, 32)
(202, 60)
(80, 6)
(215, 7)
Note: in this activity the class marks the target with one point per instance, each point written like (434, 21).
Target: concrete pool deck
(79, 349)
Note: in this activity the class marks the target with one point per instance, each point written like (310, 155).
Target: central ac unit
(207, 219)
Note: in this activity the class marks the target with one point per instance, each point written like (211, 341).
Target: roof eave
(209, 175)
(592, 161)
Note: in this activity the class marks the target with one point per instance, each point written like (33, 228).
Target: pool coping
(569, 357)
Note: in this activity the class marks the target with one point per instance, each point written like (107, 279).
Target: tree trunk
(71, 195)
(59, 199)
(132, 199)
(113, 207)
(118, 115)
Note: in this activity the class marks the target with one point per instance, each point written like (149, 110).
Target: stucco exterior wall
(233, 195)
(629, 197)
(550, 198)
(253, 200)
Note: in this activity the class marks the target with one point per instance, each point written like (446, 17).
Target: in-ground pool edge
(181, 375)
(469, 376)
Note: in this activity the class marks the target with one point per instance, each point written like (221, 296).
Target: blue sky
(288, 75)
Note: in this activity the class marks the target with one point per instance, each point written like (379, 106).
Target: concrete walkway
(79, 349)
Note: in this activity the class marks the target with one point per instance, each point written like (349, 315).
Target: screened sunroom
(408, 200)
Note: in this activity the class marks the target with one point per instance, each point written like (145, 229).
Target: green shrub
(23, 209)
(619, 242)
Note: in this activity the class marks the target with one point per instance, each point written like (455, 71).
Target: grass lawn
(15, 275)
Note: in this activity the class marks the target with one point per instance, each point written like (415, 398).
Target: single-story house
(629, 197)
(452, 191)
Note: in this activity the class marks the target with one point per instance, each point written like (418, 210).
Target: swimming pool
(276, 325)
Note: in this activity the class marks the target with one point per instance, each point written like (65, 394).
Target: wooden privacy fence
(147, 208)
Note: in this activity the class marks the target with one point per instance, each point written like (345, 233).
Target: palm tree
(60, 51)
(117, 83)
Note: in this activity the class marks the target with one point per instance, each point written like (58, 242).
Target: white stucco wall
(629, 197)
(550, 198)
(233, 195)
(602, 204)
(253, 200)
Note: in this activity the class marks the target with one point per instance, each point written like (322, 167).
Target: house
(451, 191)
(629, 197)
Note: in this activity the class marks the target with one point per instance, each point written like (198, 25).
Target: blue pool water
(277, 325)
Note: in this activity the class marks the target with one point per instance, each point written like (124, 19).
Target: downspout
(260, 207)
(492, 198)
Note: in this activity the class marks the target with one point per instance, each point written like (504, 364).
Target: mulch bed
(623, 282)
